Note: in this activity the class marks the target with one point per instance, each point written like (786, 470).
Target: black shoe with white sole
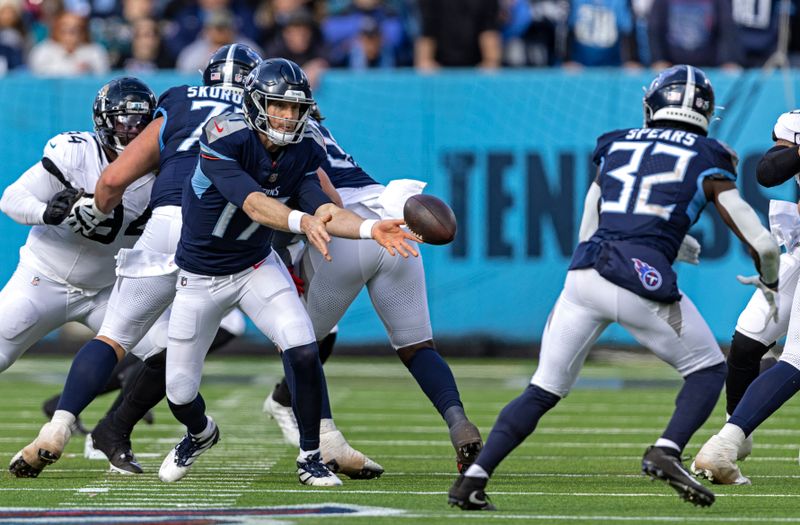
(660, 464)
(468, 493)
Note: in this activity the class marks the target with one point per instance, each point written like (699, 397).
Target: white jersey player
(65, 276)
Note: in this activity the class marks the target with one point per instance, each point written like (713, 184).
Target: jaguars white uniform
(63, 276)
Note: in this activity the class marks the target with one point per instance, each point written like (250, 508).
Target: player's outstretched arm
(744, 222)
(778, 165)
(139, 158)
(328, 188)
(387, 233)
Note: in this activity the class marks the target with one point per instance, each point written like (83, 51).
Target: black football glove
(60, 204)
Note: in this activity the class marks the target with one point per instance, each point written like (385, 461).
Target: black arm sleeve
(778, 165)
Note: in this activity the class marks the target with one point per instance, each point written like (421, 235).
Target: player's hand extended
(85, 216)
(689, 251)
(314, 229)
(770, 294)
(391, 236)
(60, 205)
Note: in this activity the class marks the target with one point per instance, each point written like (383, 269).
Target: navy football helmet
(230, 65)
(680, 94)
(277, 80)
(121, 110)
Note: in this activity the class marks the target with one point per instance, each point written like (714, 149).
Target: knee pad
(746, 352)
(182, 388)
(22, 315)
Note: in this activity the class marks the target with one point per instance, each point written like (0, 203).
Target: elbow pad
(777, 166)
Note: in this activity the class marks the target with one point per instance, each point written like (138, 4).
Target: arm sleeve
(310, 195)
(778, 165)
(227, 175)
(25, 200)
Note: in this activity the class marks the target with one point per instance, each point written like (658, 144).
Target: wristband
(365, 230)
(295, 216)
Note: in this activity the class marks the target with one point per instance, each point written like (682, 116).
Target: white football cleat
(340, 457)
(181, 458)
(716, 461)
(284, 416)
(89, 452)
(312, 471)
(45, 450)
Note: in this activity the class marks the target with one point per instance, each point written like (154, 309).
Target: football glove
(689, 251)
(770, 292)
(85, 216)
(60, 204)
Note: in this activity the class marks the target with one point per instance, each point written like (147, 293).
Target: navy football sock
(89, 373)
(281, 392)
(694, 403)
(434, 378)
(766, 395)
(306, 382)
(514, 424)
(193, 414)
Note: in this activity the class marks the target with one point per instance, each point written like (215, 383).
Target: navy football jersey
(651, 183)
(217, 237)
(343, 171)
(185, 109)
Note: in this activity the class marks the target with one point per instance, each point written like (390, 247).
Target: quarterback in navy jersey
(146, 279)
(652, 183)
(397, 291)
(249, 166)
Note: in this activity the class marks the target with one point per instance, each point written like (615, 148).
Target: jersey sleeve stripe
(717, 171)
(210, 154)
(161, 111)
(51, 167)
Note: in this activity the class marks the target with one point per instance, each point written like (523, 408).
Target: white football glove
(689, 251)
(85, 216)
(770, 295)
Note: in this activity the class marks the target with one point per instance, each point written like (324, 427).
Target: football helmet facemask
(681, 94)
(121, 110)
(272, 81)
(230, 65)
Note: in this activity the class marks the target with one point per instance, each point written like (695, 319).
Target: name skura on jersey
(651, 183)
(340, 167)
(218, 238)
(185, 109)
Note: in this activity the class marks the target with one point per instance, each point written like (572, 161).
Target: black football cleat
(659, 464)
(466, 439)
(117, 448)
(468, 494)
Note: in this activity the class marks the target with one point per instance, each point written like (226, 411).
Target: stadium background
(510, 150)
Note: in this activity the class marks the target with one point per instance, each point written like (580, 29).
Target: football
(430, 219)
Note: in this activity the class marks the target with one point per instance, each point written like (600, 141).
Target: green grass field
(581, 465)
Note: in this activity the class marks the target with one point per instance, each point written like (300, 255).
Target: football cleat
(659, 464)
(116, 447)
(468, 493)
(181, 458)
(466, 439)
(341, 458)
(284, 417)
(45, 450)
(312, 471)
(49, 408)
(716, 462)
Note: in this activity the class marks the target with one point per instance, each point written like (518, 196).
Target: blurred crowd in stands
(72, 37)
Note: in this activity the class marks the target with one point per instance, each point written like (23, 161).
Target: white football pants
(396, 286)
(753, 320)
(675, 332)
(265, 293)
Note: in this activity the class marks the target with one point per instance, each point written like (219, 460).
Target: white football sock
(476, 471)
(667, 443)
(305, 453)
